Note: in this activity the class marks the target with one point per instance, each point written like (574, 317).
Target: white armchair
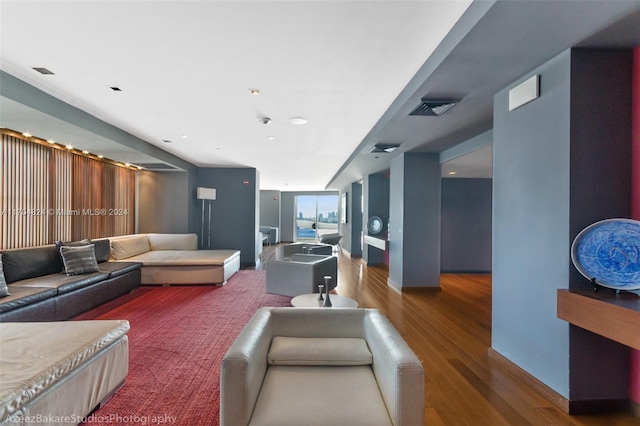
(300, 274)
(319, 366)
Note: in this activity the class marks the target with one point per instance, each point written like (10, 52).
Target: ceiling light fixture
(298, 120)
(26, 134)
(452, 172)
(254, 92)
(85, 152)
(100, 156)
(69, 146)
(51, 141)
(184, 136)
(264, 120)
(270, 138)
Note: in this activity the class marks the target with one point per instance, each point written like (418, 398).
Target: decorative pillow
(80, 243)
(79, 260)
(319, 351)
(4, 290)
(123, 248)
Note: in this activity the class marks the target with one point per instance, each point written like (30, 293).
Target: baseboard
(568, 406)
(404, 289)
(537, 385)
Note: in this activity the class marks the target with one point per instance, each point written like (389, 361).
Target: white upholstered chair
(300, 274)
(320, 366)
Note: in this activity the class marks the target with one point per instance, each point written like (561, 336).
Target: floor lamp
(207, 194)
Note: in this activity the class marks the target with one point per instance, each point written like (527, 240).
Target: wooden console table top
(615, 316)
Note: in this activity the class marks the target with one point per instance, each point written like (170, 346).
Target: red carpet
(177, 339)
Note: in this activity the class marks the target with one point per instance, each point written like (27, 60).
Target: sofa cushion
(185, 257)
(61, 282)
(319, 351)
(23, 296)
(4, 290)
(319, 395)
(79, 260)
(24, 263)
(115, 269)
(123, 248)
(173, 241)
(102, 249)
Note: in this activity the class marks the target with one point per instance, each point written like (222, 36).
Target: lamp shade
(206, 193)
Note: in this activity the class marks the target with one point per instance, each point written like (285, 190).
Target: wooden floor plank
(450, 332)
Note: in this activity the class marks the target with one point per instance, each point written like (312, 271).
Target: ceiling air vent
(384, 147)
(433, 107)
(42, 70)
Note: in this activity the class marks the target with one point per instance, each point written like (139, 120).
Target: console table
(612, 315)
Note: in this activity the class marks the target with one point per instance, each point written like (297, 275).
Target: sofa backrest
(32, 262)
(123, 248)
(173, 241)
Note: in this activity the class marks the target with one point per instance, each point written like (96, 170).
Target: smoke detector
(264, 120)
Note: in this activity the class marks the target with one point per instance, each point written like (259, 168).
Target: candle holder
(327, 300)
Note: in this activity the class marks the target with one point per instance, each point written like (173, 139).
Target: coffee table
(311, 301)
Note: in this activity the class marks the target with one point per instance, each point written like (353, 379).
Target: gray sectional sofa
(41, 291)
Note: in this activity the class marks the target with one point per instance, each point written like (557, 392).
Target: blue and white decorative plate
(609, 251)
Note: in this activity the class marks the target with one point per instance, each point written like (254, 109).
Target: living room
(556, 167)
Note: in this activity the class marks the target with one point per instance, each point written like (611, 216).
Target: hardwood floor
(450, 331)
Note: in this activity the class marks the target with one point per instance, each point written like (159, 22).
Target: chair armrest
(398, 371)
(244, 366)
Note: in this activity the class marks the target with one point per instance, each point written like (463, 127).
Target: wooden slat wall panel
(24, 182)
(48, 194)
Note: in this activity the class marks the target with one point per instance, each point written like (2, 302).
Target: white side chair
(301, 274)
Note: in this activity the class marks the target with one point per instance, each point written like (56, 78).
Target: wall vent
(433, 107)
(384, 147)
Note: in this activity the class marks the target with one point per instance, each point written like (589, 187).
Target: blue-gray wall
(415, 209)
(235, 210)
(270, 208)
(542, 152)
(466, 225)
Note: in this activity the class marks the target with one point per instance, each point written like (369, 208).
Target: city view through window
(316, 215)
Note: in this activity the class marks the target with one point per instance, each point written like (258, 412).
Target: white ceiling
(186, 67)
(355, 69)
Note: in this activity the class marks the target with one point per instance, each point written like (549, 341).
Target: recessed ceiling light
(100, 156)
(69, 146)
(26, 134)
(50, 141)
(254, 92)
(298, 120)
(271, 138)
(452, 172)
(127, 164)
(85, 152)
(139, 167)
(184, 136)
